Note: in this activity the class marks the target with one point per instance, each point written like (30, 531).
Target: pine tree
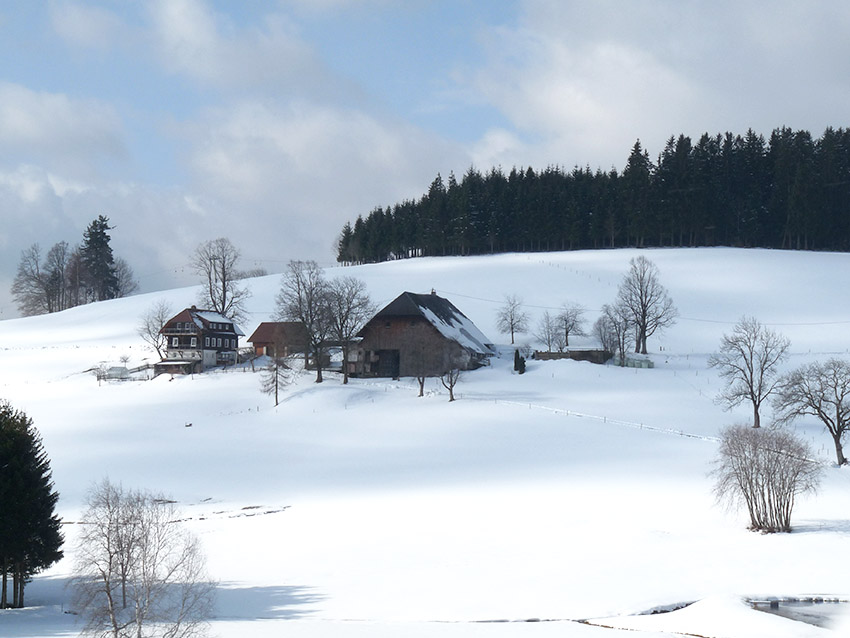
(97, 259)
(30, 536)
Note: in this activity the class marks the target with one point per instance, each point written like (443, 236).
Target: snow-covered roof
(211, 316)
(443, 315)
(202, 319)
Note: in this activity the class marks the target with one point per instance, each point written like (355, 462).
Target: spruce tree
(98, 261)
(30, 536)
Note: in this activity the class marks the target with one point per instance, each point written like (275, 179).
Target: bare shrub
(765, 469)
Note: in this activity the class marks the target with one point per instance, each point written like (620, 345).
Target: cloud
(58, 132)
(579, 82)
(576, 99)
(297, 171)
(192, 40)
(86, 26)
(322, 6)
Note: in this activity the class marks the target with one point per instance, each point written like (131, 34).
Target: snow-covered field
(573, 492)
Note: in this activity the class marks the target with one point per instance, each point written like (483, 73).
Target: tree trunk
(5, 583)
(756, 417)
(17, 586)
(21, 582)
(421, 385)
(318, 353)
(839, 451)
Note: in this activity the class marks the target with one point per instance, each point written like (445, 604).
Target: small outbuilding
(198, 339)
(280, 338)
(418, 335)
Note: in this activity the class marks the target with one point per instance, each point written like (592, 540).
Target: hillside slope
(574, 491)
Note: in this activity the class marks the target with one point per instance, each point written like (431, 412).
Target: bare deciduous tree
(765, 469)
(613, 329)
(152, 322)
(549, 333)
(449, 379)
(748, 361)
(511, 318)
(138, 571)
(215, 261)
(126, 280)
(821, 390)
(647, 300)
(424, 360)
(55, 269)
(30, 286)
(303, 297)
(350, 308)
(604, 333)
(571, 320)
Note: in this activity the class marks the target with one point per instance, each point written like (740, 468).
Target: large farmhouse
(418, 335)
(199, 339)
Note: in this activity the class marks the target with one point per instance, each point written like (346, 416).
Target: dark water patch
(820, 611)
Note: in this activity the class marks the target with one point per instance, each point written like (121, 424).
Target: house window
(194, 342)
(219, 342)
(174, 342)
(206, 342)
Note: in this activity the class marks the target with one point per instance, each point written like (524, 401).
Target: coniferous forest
(789, 191)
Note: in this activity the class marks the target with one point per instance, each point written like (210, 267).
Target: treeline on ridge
(790, 191)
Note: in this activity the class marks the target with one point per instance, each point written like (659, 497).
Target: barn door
(388, 363)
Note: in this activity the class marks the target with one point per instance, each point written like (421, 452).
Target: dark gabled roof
(442, 314)
(292, 332)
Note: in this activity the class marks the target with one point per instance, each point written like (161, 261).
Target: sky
(274, 123)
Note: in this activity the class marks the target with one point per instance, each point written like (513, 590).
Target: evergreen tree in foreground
(30, 536)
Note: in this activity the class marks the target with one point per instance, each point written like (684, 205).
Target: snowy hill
(573, 492)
